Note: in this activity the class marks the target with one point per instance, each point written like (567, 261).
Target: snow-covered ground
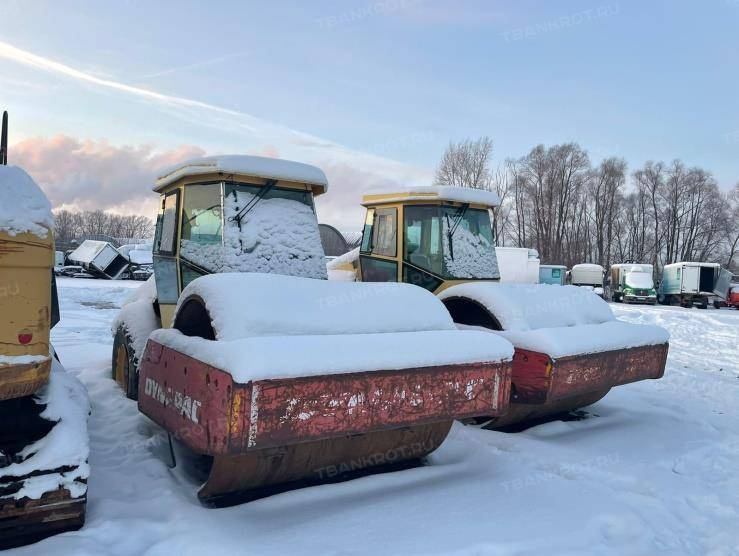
(654, 470)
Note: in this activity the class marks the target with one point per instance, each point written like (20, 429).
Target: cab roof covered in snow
(258, 166)
(433, 193)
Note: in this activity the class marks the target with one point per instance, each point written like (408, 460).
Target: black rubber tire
(124, 368)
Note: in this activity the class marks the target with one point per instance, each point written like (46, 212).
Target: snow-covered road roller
(569, 348)
(43, 411)
(244, 352)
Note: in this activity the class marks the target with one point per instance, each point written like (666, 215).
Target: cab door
(379, 250)
(165, 261)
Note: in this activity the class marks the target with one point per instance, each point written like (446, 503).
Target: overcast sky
(101, 94)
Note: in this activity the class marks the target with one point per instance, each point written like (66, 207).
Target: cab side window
(168, 231)
(367, 232)
(385, 232)
(165, 266)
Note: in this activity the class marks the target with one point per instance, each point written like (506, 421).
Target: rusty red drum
(205, 409)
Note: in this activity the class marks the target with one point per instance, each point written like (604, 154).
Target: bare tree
(650, 180)
(65, 225)
(553, 179)
(604, 189)
(69, 225)
(732, 228)
(466, 164)
(553, 200)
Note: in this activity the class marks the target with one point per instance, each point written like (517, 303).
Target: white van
(588, 275)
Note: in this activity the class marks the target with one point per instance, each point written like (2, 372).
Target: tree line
(555, 200)
(70, 225)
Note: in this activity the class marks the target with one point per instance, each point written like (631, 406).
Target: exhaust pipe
(4, 140)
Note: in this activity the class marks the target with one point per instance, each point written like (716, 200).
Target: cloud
(340, 206)
(93, 174)
(86, 174)
(294, 144)
(195, 65)
(27, 58)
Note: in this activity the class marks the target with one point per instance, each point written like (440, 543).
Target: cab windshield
(639, 280)
(234, 227)
(450, 241)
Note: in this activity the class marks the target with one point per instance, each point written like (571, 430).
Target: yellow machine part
(26, 262)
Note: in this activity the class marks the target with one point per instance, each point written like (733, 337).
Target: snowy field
(653, 470)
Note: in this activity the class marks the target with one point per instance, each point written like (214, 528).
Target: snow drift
(252, 304)
(270, 326)
(269, 357)
(557, 320)
(26, 208)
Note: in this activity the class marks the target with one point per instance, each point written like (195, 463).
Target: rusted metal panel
(584, 373)
(259, 473)
(187, 397)
(286, 411)
(27, 521)
(210, 413)
(539, 379)
(23, 380)
(531, 376)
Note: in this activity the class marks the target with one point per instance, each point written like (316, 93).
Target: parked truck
(633, 283)
(693, 283)
(552, 274)
(732, 297)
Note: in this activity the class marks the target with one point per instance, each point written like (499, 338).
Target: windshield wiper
(254, 201)
(456, 219)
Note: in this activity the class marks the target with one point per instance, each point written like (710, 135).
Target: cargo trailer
(99, 258)
(693, 283)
